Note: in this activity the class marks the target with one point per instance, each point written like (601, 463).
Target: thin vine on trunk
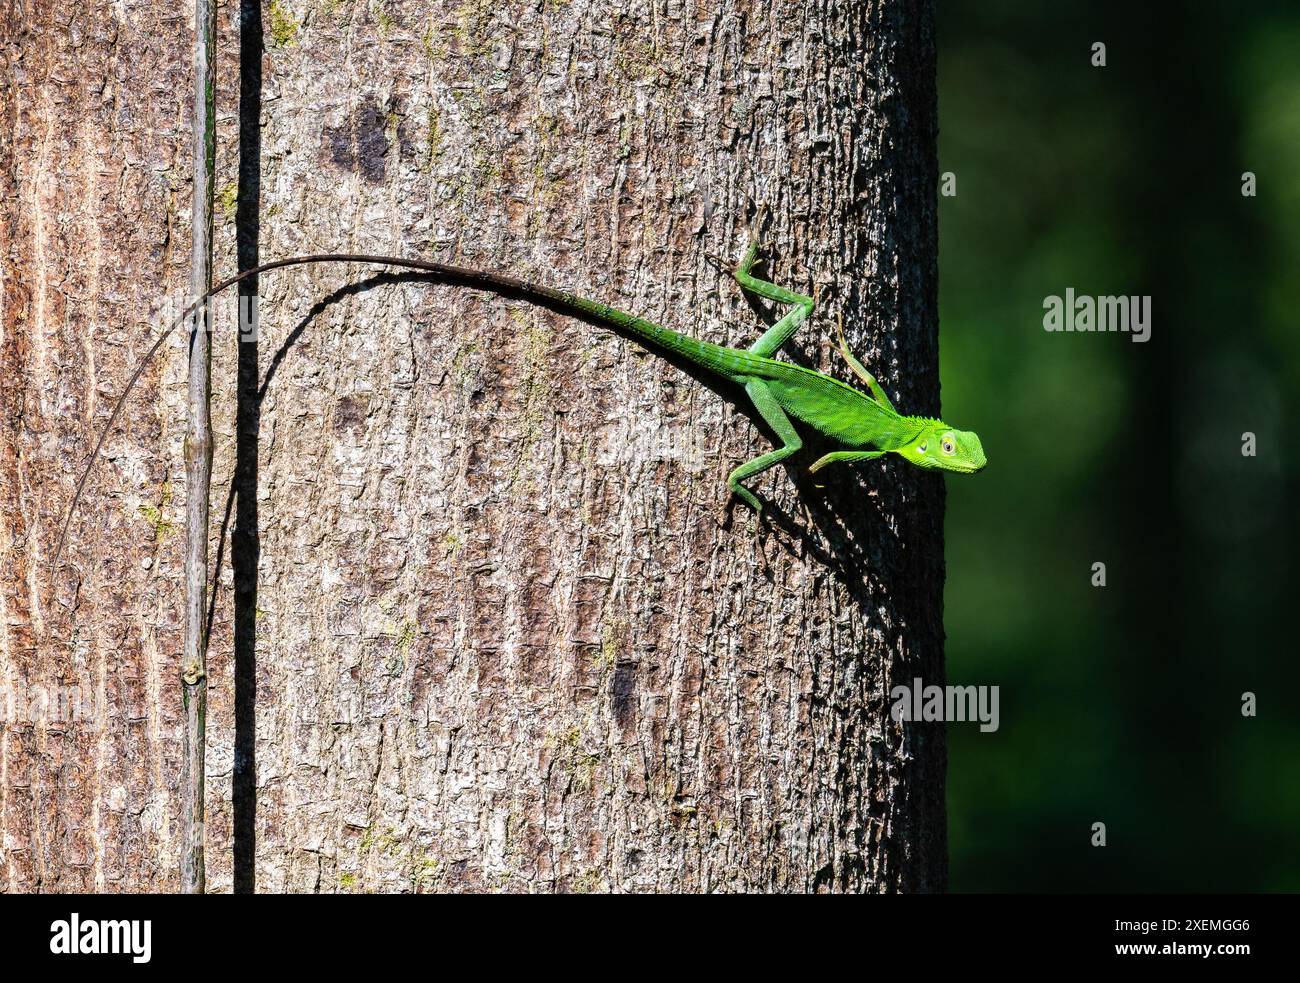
(198, 457)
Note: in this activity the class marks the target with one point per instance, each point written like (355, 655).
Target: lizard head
(940, 447)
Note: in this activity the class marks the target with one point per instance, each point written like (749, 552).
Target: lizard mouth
(965, 467)
(975, 459)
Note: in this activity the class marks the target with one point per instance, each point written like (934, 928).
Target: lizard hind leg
(778, 334)
(802, 306)
(791, 442)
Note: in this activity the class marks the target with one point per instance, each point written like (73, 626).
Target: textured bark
(492, 623)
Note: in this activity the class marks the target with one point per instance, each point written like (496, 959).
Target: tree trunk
(493, 621)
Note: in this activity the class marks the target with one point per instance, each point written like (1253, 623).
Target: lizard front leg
(860, 370)
(843, 457)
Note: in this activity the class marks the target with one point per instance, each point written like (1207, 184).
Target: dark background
(1123, 704)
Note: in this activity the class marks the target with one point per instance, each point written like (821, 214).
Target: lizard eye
(947, 445)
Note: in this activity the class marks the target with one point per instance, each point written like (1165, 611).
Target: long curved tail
(506, 286)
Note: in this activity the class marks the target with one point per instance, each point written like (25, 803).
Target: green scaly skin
(865, 427)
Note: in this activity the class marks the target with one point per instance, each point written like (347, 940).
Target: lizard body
(864, 425)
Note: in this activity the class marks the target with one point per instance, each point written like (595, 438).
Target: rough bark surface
(492, 623)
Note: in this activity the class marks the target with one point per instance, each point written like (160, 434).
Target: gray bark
(493, 622)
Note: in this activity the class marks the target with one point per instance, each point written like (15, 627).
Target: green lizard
(864, 427)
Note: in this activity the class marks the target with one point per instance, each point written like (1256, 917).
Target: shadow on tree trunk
(246, 543)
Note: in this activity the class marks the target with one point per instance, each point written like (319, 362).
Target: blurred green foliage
(1123, 705)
